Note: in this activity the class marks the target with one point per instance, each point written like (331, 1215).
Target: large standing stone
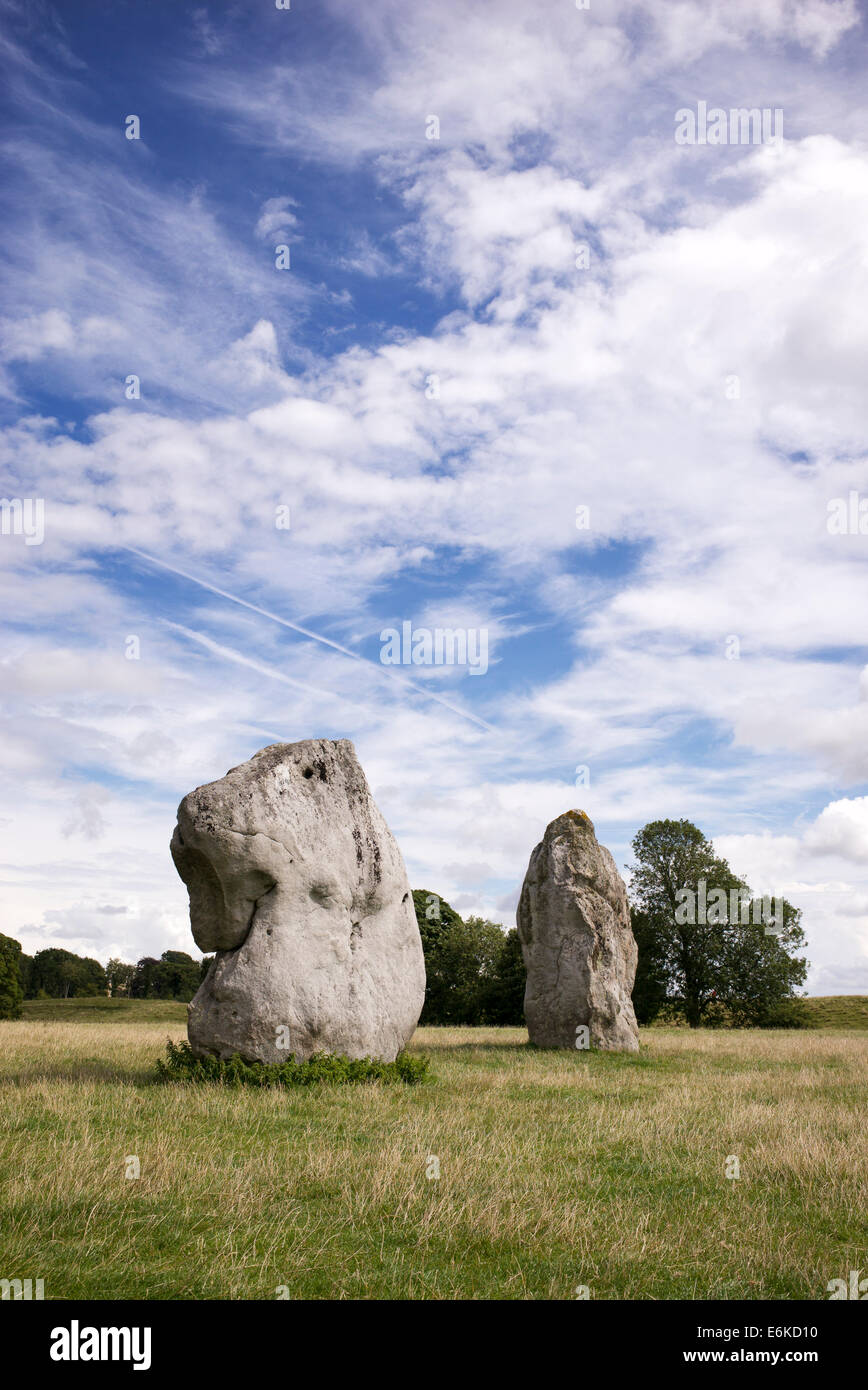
(580, 954)
(297, 883)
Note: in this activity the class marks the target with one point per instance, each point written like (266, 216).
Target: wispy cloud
(631, 454)
(387, 673)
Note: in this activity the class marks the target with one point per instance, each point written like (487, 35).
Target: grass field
(837, 1011)
(98, 1009)
(556, 1169)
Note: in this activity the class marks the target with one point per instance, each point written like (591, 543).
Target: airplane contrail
(263, 668)
(307, 632)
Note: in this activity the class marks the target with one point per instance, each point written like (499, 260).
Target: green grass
(837, 1011)
(98, 1009)
(557, 1169)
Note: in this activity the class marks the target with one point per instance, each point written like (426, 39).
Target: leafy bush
(181, 1065)
(789, 1013)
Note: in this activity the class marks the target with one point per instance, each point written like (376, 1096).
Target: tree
(650, 991)
(11, 993)
(474, 971)
(702, 942)
(464, 969)
(174, 976)
(434, 917)
(180, 975)
(25, 970)
(674, 861)
(143, 984)
(63, 975)
(119, 976)
(504, 999)
(759, 971)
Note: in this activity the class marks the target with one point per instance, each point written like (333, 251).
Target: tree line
(715, 967)
(56, 973)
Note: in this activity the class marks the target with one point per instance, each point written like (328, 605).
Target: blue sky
(698, 386)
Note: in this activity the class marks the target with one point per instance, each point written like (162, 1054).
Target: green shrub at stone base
(181, 1065)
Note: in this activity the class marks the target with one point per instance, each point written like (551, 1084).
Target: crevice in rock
(257, 903)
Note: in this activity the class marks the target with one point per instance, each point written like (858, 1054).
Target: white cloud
(559, 387)
(276, 219)
(29, 338)
(841, 830)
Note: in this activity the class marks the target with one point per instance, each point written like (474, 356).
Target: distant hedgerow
(181, 1065)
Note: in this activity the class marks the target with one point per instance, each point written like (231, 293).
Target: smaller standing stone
(579, 950)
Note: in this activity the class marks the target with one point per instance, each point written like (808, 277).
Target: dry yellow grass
(556, 1170)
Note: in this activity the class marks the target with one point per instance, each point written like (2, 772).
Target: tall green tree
(707, 959)
(25, 969)
(180, 975)
(503, 1002)
(465, 970)
(174, 976)
(63, 975)
(11, 993)
(651, 990)
(760, 970)
(474, 970)
(434, 917)
(674, 858)
(460, 970)
(119, 975)
(145, 983)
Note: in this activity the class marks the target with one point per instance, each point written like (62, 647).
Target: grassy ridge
(829, 1011)
(556, 1169)
(837, 1011)
(97, 1009)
